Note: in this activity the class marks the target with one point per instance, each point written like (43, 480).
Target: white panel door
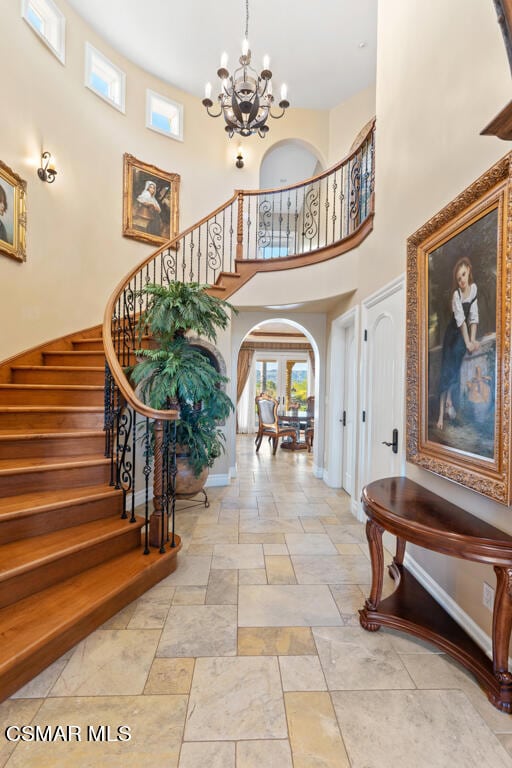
(349, 409)
(383, 353)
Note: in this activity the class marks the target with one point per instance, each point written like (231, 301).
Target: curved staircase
(69, 559)
(69, 555)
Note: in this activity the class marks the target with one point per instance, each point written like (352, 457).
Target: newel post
(157, 535)
(240, 227)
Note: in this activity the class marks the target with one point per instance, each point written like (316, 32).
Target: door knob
(393, 445)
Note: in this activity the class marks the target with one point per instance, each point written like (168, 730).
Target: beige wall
(347, 119)
(436, 90)
(75, 251)
(442, 76)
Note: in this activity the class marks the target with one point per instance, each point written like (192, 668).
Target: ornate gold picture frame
(459, 335)
(150, 202)
(13, 214)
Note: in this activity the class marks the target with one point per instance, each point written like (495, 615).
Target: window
(164, 115)
(48, 23)
(296, 384)
(266, 377)
(104, 78)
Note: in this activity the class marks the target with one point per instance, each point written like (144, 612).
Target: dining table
(298, 420)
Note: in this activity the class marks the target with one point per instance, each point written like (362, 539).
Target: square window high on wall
(48, 23)
(164, 115)
(104, 78)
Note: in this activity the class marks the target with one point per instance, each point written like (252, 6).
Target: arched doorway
(281, 357)
(288, 162)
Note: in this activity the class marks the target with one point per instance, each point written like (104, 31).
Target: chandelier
(245, 99)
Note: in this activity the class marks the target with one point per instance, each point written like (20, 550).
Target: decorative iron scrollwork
(355, 189)
(311, 212)
(169, 266)
(264, 235)
(215, 241)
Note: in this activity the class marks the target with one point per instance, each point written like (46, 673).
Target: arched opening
(288, 162)
(278, 356)
(211, 353)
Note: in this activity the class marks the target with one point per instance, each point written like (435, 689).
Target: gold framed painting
(13, 214)
(150, 202)
(458, 338)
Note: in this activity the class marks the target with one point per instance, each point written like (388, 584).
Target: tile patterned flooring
(251, 655)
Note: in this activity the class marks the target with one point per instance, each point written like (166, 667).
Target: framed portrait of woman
(458, 338)
(13, 219)
(150, 202)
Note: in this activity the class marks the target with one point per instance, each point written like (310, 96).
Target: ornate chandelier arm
(208, 103)
(283, 105)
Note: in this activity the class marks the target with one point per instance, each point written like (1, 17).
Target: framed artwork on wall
(150, 202)
(13, 214)
(459, 335)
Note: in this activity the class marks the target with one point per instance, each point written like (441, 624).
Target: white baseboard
(318, 471)
(233, 471)
(451, 607)
(359, 511)
(216, 480)
(327, 480)
(355, 508)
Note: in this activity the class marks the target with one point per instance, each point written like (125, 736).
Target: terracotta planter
(187, 484)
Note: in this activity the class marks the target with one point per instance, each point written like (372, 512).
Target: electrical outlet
(488, 596)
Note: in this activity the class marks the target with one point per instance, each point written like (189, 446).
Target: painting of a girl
(462, 338)
(459, 337)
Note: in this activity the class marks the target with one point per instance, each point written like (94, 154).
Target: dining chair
(268, 423)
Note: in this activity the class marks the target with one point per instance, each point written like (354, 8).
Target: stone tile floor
(251, 655)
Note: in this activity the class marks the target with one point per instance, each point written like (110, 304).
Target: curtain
(244, 366)
(245, 392)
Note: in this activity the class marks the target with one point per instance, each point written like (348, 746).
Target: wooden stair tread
(49, 434)
(229, 274)
(41, 501)
(58, 387)
(68, 559)
(71, 352)
(21, 556)
(34, 621)
(41, 464)
(51, 409)
(63, 368)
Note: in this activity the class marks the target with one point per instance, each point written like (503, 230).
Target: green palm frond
(176, 370)
(180, 307)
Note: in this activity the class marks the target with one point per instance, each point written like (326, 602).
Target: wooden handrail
(115, 366)
(319, 176)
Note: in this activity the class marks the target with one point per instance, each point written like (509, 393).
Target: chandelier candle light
(246, 98)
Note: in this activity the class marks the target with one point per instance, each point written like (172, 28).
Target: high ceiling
(325, 50)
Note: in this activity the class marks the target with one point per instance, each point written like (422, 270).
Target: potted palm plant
(174, 372)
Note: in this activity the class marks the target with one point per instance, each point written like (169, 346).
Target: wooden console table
(414, 514)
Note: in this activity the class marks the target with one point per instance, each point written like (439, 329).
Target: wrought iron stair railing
(255, 227)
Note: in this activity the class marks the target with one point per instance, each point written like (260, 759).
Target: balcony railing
(323, 212)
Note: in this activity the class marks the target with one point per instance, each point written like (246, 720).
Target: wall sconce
(239, 159)
(47, 170)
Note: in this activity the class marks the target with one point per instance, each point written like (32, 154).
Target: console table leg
(374, 535)
(395, 568)
(400, 551)
(502, 624)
